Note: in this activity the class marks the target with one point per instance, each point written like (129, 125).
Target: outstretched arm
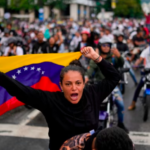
(25, 94)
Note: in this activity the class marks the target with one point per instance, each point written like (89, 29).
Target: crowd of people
(105, 41)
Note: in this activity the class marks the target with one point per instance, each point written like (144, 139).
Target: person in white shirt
(108, 33)
(144, 57)
(3, 42)
(75, 41)
(12, 49)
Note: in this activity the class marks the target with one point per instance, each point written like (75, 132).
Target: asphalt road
(24, 129)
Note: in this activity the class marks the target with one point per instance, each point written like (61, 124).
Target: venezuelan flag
(39, 71)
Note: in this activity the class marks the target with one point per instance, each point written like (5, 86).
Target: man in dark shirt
(138, 39)
(11, 31)
(52, 46)
(39, 46)
(122, 47)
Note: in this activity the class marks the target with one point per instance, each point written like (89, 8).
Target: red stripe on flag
(44, 84)
(9, 105)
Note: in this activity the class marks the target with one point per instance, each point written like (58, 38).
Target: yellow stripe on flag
(14, 62)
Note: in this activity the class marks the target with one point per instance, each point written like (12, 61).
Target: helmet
(85, 32)
(105, 39)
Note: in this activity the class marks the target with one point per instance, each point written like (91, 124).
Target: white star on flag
(19, 71)
(38, 69)
(43, 72)
(32, 68)
(26, 68)
(14, 77)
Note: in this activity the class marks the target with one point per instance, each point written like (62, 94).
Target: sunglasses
(105, 45)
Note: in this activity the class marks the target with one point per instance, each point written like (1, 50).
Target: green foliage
(59, 4)
(128, 8)
(30, 4)
(106, 6)
(3, 3)
(22, 4)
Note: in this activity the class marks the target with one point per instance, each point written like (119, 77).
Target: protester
(113, 56)
(144, 57)
(75, 41)
(51, 47)
(73, 111)
(12, 49)
(11, 31)
(39, 46)
(3, 42)
(147, 16)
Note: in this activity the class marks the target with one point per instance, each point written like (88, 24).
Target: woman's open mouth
(74, 96)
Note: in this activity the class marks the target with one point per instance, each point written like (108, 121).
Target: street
(25, 129)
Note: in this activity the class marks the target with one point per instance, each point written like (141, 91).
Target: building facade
(75, 9)
(81, 9)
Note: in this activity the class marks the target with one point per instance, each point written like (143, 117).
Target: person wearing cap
(121, 46)
(138, 39)
(108, 34)
(113, 56)
(85, 41)
(12, 49)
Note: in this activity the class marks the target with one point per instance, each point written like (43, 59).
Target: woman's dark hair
(75, 65)
(113, 139)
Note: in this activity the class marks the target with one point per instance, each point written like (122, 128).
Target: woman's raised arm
(112, 76)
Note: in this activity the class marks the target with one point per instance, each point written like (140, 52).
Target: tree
(59, 4)
(3, 3)
(36, 4)
(106, 4)
(23, 4)
(128, 8)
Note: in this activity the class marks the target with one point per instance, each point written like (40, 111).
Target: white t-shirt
(19, 51)
(110, 36)
(146, 55)
(75, 41)
(4, 43)
(121, 27)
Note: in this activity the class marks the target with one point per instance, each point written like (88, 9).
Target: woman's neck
(103, 56)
